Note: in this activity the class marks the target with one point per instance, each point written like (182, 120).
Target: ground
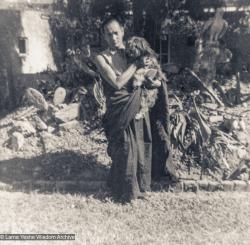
(164, 218)
(69, 155)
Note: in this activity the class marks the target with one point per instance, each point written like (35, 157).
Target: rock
(244, 104)
(227, 185)
(215, 119)
(34, 97)
(69, 125)
(50, 129)
(69, 113)
(242, 125)
(203, 185)
(16, 141)
(191, 186)
(39, 123)
(49, 141)
(242, 168)
(242, 153)
(61, 106)
(231, 125)
(235, 125)
(59, 95)
(49, 115)
(213, 113)
(52, 108)
(244, 176)
(25, 112)
(242, 137)
(23, 127)
(214, 186)
(240, 185)
(176, 187)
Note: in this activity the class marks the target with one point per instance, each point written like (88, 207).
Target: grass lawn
(164, 218)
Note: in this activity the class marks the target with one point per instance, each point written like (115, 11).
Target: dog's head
(137, 47)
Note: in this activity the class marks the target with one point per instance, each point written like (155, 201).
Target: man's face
(113, 34)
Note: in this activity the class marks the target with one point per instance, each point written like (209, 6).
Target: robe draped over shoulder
(138, 148)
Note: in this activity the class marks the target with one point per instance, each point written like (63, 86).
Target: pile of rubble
(38, 115)
(47, 139)
(53, 116)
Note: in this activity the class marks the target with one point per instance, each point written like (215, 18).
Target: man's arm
(109, 75)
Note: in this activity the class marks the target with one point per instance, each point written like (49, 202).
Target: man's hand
(152, 83)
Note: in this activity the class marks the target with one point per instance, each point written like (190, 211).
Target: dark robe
(140, 148)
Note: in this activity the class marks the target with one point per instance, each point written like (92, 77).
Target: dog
(149, 77)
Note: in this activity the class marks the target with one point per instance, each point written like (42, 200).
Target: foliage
(180, 22)
(194, 140)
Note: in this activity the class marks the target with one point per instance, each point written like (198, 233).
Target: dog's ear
(145, 45)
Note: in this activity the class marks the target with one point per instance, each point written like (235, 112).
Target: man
(129, 140)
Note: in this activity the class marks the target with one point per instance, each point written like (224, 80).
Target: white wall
(38, 33)
(29, 1)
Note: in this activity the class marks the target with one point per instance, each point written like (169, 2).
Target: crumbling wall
(39, 54)
(19, 70)
(10, 63)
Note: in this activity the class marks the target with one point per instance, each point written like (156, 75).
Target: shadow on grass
(50, 172)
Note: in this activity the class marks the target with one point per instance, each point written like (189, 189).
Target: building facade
(25, 47)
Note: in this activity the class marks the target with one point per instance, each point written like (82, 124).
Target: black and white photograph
(125, 122)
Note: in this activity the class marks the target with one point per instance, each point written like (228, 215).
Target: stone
(214, 186)
(69, 113)
(59, 96)
(39, 123)
(51, 111)
(50, 129)
(52, 108)
(215, 119)
(176, 187)
(231, 124)
(244, 176)
(248, 186)
(16, 141)
(68, 125)
(213, 113)
(240, 185)
(23, 127)
(34, 97)
(242, 125)
(61, 106)
(5, 187)
(242, 153)
(235, 174)
(190, 185)
(203, 185)
(227, 185)
(242, 137)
